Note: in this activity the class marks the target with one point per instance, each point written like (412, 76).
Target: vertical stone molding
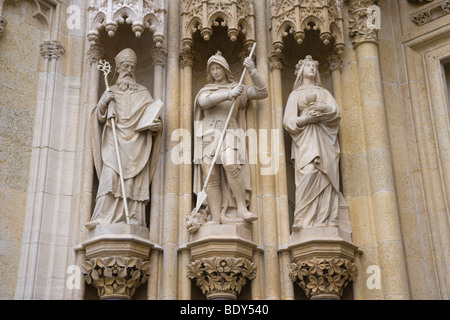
(323, 278)
(221, 277)
(202, 15)
(296, 16)
(141, 14)
(360, 29)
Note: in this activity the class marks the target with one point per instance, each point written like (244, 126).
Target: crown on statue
(308, 58)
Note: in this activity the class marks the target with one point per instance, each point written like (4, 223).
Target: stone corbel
(117, 260)
(116, 277)
(221, 277)
(324, 278)
(221, 261)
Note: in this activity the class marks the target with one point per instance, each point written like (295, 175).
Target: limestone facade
(388, 69)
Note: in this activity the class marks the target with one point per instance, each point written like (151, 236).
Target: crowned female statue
(312, 119)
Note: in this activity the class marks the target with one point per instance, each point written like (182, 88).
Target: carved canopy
(296, 16)
(202, 15)
(141, 14)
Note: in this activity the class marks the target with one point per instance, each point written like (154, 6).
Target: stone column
(335, 62)
(382, 187)
(185, 191)
(51, 51)
(268, 214)
(159, 55)
(171, 121)
(276, 66)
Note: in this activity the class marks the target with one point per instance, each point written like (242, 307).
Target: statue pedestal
(117, 259)
(221, 260)
(322, 261)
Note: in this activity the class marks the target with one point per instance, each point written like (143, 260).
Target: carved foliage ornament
(202, 15)
(51, 49)
(141, 14)
(221, 274)
(431, 13)
(296, 16)
(359, 26)
(116, 277)
(318, 277)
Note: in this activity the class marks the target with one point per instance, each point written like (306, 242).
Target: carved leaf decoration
(122, 273)
(121, 281)
(316, 284)
(131, 262)
(109, 281)
(110, 261)
(108, 272)
(136, 274)
(335, 283)
(86, 267)
(94, 274)
(88, 279)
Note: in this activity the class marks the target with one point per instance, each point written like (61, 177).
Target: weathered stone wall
(19, 80)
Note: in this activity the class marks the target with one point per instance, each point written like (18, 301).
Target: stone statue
(126, 102)
(228, 191)
(312, 119)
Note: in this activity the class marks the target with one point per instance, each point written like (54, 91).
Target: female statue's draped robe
(315, 152)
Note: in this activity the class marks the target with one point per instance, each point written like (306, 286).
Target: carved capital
(187, 57)
(3, 24)
(159, 56)
(335, 62)
(221, 276)
(323, 278)
(275, 60)
(360, 28)
(95, 53)
(51, 49)
(116, 277)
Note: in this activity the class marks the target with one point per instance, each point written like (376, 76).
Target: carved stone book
(152, 113)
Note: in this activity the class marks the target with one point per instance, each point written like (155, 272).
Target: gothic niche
(128, 34)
